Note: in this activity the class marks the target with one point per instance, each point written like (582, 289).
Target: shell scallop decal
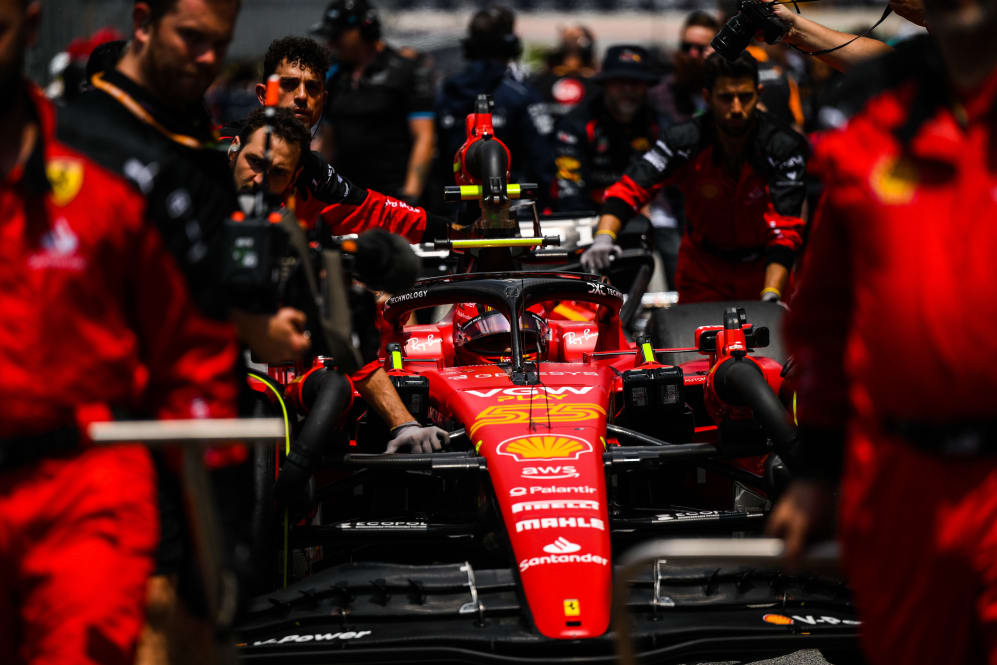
(543, 447)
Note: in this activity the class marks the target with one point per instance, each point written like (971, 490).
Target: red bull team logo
(546, 447)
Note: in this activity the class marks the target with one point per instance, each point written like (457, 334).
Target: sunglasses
(689, 47)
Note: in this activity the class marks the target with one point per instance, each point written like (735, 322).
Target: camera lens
(734, 37)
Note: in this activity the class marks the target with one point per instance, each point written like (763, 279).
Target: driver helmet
(482, 334)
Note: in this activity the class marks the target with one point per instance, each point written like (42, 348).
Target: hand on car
(600, 254)
(802, 514)
(416, 438)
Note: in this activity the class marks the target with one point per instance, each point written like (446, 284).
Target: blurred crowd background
(559, 39)
(431, 26)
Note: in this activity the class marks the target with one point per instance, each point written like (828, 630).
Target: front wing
(389, 613)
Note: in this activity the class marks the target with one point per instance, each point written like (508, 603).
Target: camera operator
(104, 317)
(891, 331)
(321, 192)
(146, 120)
(840, 50)
(288, 142)
(741, 174)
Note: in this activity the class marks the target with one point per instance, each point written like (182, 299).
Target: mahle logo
(544, 447)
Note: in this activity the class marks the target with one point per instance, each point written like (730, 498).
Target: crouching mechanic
(84, 270)
(288, 142)
(741, 173)
(321, 194)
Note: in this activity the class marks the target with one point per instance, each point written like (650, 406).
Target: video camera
(752, 16)
(275, 262)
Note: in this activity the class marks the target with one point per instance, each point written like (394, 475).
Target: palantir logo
(561, 546)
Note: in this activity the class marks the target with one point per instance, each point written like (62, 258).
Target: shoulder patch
(66, 178)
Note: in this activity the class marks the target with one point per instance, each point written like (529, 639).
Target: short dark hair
(158, 8)
(285, 127)
(301, 50)
(701, 19)
(717, 66)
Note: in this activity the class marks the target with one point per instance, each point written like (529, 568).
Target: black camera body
(752, 16)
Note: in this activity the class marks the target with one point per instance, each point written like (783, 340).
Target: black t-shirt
(370, 118)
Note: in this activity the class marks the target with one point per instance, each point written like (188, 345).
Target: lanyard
(138, 110)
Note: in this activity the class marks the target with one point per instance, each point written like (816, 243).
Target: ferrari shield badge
(572, 607)
(66, 178)
(894, 180)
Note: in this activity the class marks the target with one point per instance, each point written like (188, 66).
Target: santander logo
(562, 546)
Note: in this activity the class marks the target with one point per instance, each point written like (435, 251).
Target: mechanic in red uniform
(321, 192)
(741, 173)
(99, 318)
(288, 142)
(892, 331)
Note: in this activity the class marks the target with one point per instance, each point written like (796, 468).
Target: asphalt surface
(809, 657)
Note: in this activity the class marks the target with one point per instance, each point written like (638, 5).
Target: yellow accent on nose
(396, 360)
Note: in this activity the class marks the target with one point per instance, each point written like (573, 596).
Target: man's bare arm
(811, 36)
(380, 394)
(421, 158)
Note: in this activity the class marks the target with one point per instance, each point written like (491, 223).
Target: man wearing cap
(379, 106)
(597, 140)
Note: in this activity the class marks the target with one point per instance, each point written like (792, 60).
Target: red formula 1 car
(569, 443)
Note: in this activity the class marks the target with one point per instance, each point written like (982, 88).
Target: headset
(348, 14)
(490, 35)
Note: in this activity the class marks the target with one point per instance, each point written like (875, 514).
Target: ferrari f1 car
(569, 443)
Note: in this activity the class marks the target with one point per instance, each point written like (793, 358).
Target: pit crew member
(741, 174)
(598, 139)
(519, 115)
(321, 192)
(891, 330)
(146, 120)
(86, 272)
(380, 104)
(288, 142)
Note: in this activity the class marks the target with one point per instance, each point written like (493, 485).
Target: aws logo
(544, 447)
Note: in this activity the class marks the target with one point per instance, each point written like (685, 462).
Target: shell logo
(777, 619)
(543, 447)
